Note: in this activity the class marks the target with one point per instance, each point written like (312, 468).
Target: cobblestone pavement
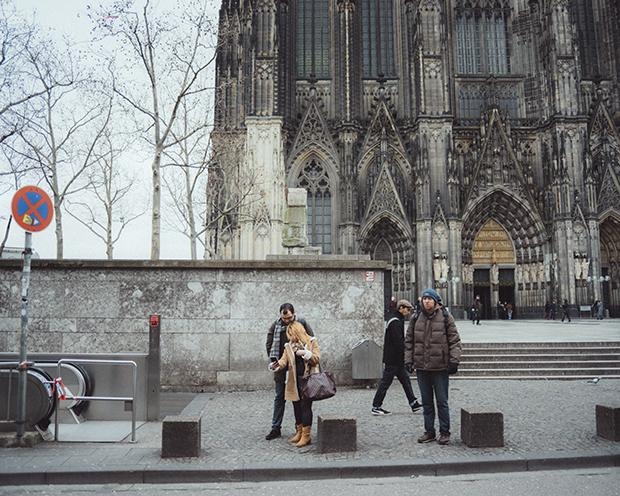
(539, 417)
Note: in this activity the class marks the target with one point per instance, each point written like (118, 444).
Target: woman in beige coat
(301, 357)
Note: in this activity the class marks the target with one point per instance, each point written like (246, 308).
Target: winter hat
(404, 303)
(431, 293)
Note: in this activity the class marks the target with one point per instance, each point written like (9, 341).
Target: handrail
(132, 398)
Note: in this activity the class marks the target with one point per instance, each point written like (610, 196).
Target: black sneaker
(415, 406)
(379, 411)
(273, 433)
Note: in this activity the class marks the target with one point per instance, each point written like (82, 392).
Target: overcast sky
(69, 17)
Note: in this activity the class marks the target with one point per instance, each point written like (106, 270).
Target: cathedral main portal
(493, 261)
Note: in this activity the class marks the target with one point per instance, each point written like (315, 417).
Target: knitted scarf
(274, 353)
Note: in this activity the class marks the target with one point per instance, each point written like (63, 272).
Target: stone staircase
(564, 361)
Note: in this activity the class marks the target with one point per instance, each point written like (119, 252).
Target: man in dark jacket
(276, 339)
(394, 360)
(433, 349)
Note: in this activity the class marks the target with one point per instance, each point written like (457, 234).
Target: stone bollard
(608, 422)
(180, 437)
(482, 429)
(337, 434)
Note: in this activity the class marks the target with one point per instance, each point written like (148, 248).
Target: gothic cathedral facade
(472, 144)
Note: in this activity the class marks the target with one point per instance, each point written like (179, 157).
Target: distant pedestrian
(600, 310)
(301, 358)
(500, 310)
(394, 360)
(547, 310)
(433, 349)
(509, 310)
(392, 305)
(276, 339)
(476, 310)
(565, 310)
(552, 310)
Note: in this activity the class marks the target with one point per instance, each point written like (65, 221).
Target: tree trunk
(6, 235)
(190, 214)
(156, 220)
(59, 238)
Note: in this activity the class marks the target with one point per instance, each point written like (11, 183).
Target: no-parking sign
(32, 208)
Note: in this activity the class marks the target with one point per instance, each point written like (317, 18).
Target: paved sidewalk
(548, 424)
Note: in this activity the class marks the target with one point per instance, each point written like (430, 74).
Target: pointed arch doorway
(493, 260)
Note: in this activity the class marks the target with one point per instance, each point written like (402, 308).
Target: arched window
(315, 181)
(313, 38)
(481, 40)
(378, 38)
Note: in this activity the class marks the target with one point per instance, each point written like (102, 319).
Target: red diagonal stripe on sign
(33, 208)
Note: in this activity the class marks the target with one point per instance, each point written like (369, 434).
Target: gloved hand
(409, 368)
(453, 368)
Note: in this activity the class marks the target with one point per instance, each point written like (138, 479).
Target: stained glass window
(481, 42)
(313, 38)
(378, 38)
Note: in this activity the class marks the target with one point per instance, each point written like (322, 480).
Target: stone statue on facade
(578, 269)
(585, 267)
(494, 274)
(444, 268)
(541, 272)
(436, 268)
(519, 274)
(526, 273)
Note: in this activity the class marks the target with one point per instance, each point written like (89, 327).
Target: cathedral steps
(573, 360)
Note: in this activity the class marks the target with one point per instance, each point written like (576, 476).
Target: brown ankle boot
(295, 439)
(305, 437)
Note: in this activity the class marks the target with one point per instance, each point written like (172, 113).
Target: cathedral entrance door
(507, 288)
(482, 288)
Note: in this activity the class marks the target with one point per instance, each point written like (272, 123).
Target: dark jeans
(565, 315)
(303, 412)
(389, 372)
(475, 317)
(278, 406)
(434, 387)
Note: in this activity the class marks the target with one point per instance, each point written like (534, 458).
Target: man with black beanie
(433, 349)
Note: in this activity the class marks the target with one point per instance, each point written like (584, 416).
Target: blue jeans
(434, 383)
(278, 406)
(389, 372)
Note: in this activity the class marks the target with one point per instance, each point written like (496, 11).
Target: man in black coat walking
(394, 360)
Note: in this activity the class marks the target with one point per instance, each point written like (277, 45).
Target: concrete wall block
(248, 352)
(204, 351)
(482, 429)
(67, 325)
(177, 299)
(608, 422)
(336, 434)
(57, 298)
(111, 342)
(10, 300)
(180, 437)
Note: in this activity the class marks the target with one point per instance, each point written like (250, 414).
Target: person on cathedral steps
(276, 339)
(476, 310)
(301, 357)
(433, 349)
(394, 359)
(565, 310)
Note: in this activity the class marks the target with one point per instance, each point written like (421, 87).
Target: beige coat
(288, 361)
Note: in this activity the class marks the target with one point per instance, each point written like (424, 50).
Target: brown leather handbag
(318, 386)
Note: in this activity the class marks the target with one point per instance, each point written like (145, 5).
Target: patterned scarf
(274, 353)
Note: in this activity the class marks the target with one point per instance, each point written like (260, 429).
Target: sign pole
(23, 371)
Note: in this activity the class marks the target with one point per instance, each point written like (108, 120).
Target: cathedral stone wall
(215, 315)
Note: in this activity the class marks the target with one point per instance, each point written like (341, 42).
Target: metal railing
(131, 399)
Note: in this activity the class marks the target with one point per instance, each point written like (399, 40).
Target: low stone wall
(215, 315)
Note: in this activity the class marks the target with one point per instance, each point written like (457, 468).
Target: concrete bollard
(337, 434)
(608, 422)
(482, 429)
(180, 437)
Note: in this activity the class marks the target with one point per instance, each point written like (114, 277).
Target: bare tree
(230, 194)
(173, 52)
(106, 212)
(60, 127)
(186, 169)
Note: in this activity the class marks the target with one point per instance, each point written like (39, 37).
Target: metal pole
(23, 371)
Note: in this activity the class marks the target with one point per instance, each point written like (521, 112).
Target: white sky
(69, 17)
